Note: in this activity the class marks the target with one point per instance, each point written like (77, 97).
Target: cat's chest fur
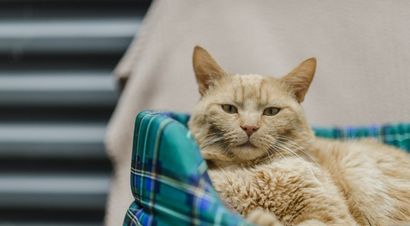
(288, 187)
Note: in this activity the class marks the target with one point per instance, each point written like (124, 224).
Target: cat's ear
(300, 78)
(206, 69)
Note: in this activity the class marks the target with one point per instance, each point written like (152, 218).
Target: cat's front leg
(263, 218)
(313, 222)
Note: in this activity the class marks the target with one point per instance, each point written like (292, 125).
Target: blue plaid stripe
(169, 178)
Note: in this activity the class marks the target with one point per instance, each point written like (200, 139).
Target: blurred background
(57, 89)
(56, 96)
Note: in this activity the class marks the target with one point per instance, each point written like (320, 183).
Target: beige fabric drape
(362, 47)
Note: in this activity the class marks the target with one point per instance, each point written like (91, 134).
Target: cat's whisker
(269, 149)
(299, 148)
(281, 146)
(301, 160)
(210, 142)
(279, 153)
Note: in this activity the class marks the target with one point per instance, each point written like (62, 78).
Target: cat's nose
(249, 129)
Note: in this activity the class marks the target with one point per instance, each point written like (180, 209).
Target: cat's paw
(263, 218)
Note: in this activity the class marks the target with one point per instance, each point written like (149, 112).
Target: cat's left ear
(207, 71)
(300, 78)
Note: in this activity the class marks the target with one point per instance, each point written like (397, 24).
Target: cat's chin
(247, 151)
(247, 144)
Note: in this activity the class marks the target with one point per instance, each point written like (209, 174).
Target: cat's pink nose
(249, 129)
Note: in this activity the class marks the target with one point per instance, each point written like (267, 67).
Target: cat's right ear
(206, 69)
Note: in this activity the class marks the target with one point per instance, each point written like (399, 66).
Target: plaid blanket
(169, 178)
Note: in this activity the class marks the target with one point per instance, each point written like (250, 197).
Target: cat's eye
(271, 111)
(228, 108)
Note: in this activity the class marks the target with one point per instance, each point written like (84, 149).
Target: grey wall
(56, 96)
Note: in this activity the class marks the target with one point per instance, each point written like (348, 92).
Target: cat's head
(242, 118)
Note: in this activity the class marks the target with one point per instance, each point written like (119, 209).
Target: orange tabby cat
(266, 163)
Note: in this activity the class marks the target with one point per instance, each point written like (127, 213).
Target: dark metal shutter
(56, 96)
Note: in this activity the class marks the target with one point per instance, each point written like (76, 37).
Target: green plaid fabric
(169, 178)
(393, 134)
